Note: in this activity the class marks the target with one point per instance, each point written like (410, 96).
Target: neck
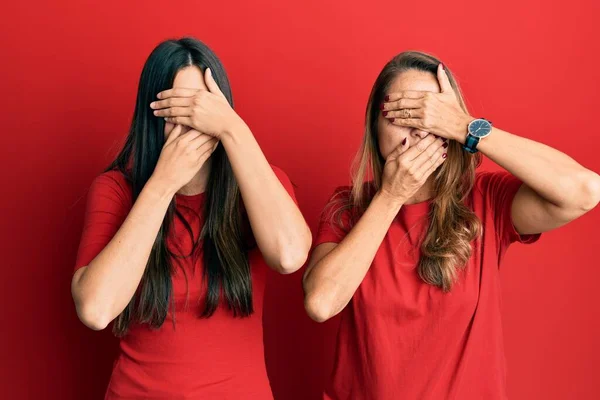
(198, 183)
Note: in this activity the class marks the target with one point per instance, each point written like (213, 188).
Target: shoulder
(111, 184)
(491, 181)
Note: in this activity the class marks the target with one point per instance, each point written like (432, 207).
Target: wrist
(462, 128)
(390, 201)
(234, 132)
(160, 188)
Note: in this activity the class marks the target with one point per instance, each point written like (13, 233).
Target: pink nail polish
(444, 155)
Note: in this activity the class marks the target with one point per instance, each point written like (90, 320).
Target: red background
(301, 73)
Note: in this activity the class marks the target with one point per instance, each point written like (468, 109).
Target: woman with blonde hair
(410, 253)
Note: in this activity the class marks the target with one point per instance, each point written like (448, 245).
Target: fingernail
(444, 155)
(155, 112)
(404, 142)
(385, 113)
(444, 139)
(387, 98)
(445, 145)
(436, 136)
(381, 106)
(391, 119)
(152, 104)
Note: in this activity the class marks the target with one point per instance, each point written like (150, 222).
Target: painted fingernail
(387, 98)
(381, 106)
(404, 142)
(391, 119)
(436, 136)
(445, 145)
(385, 113)
(444, 155)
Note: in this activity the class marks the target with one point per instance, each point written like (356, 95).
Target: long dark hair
(226, 267)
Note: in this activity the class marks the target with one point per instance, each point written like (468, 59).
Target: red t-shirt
(400, 338)
(220, 357)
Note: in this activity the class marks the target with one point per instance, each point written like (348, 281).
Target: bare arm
(102, 289)
(278, 226)
(281, 233)
(556, 188)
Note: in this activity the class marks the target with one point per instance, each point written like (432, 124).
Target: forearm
(332, 281)
(553, 175)
(103, 289)
(278, 226)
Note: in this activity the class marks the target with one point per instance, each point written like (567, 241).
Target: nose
(417, 133)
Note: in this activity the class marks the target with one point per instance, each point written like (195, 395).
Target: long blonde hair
(446, 246)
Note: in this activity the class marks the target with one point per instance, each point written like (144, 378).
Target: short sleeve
(500, 189)
(109, 201)
(334, 224)
(285, 181)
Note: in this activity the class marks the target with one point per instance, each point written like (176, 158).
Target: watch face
(480, 128)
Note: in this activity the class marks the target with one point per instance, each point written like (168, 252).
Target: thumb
(211, 83)
(175, 133)
(443, 80)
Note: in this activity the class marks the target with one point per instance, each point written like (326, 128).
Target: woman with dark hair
(177, 234)
(410, 253)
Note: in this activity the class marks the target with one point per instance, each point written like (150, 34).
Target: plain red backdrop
(301, 73)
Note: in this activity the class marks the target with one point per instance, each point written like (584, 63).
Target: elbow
(91, 317)
(590, 191)
(292, 257)
(317, 308)
(89, 312)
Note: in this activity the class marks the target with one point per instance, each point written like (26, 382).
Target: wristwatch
(477, 130)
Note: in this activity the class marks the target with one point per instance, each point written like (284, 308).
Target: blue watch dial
(480, 128)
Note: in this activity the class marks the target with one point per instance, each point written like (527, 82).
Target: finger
(407, 94)
(430, 155)
(177, 92)
(189, 136)
(212, 84)
(435, 165)
(207, 148)
(201, 140)
(413, 113)
(174, 134)
(174, 112)
(398, 151)
(172, 102)
(408, 122)
(402, 103)
(443, 80)
(419, 148)
(187, 121)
